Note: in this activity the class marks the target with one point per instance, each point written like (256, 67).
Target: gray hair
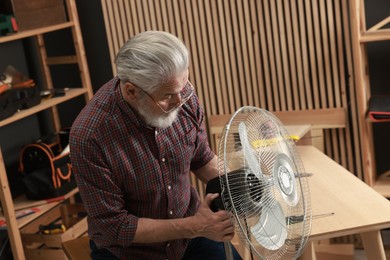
(151, 59)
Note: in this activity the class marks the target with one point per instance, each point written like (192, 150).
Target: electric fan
(263, 185)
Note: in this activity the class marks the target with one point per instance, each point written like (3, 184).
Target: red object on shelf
(379, 108)
(14, 24)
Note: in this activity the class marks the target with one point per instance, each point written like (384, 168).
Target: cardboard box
(49, 246)
(32, 14)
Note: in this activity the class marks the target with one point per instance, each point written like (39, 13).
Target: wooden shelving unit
(361, 36)
(10, 206)
(45, 104)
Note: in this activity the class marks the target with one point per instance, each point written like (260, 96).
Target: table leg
(309, 252)
(373, 245)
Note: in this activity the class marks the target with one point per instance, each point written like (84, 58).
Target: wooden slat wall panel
(281, 55)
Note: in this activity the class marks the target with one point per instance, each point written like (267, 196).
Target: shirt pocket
(187, 149)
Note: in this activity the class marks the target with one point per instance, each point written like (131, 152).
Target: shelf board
(382, 184)
(34, 32)
(45, 104)
(375, 36)
(23, 203)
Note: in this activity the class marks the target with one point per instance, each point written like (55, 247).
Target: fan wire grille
(263, 186)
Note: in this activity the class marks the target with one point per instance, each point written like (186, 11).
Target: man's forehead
(176, 83)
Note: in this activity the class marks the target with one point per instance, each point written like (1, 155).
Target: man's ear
(130, 90)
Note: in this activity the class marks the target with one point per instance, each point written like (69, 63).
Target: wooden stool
(77, 249)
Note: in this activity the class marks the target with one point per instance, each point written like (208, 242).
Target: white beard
(151, 119)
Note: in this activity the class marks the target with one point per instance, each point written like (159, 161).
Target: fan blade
(271, 231)
(248, 151)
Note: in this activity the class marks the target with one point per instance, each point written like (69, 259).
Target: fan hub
(284, 176)
(285, 180)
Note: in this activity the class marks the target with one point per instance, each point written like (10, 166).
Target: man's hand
(213, 225)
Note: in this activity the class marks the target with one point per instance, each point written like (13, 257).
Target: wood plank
(318, 52)
(113, 28)
(140, 16)
(70, 59)
(318, 119)
(278, 86)
(34, 32)
(252, 72)
(339, 82)
(258, 32)
(332, 179)
(269, 58)
(146, 15)
(375, 36)
(305, 37)
(229, 80)
(293, 58)
(195, 56)
(9, 213)
(264, 59)
(312, 55)
(45, 104)
(285, 87)
(379, 25)
(134, 16)
(206, 40)
(164, 14)
(363, 91)
(354, 132)
(236, 55)
(118, 23)
(202, 83)
(247, 98)
(127, 13)
(80, 51)
(173, 16)
(77, 248)
(330, 65)
(108, 33)
(178, 17)
(382, 184)
(219, 80)
(159, 13)
(232, 62)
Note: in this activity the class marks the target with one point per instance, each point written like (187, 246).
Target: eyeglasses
(185, 94)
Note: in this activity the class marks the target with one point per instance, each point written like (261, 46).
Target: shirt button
(163, 159)
(169, 187)
(170, 212)
(168, 244)
(155, 133)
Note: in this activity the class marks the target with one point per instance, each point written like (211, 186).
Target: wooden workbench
(357, 208)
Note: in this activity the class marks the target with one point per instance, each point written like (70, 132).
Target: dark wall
(22, 55)
(95, 41)
(379, 71)
(14, 136)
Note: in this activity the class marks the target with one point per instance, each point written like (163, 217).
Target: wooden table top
(357, 207)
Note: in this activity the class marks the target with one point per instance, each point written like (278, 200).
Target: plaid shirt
(125, 170)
